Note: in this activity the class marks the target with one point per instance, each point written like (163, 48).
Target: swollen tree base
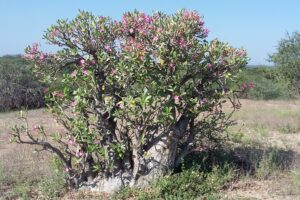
(110, 185)
(114, 184)
(158, 164)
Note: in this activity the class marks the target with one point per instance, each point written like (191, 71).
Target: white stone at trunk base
(110, 185)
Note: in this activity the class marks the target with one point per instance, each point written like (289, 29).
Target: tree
(137, 95)
(287, 59)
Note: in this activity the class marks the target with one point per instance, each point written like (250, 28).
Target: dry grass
(272, 115)
(20, 165)
(274, 128)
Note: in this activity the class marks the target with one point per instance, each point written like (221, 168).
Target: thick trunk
(145, 170)
(159, 160)
(143, 165)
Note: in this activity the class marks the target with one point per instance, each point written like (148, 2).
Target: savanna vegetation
(19, 87)
(142, 108)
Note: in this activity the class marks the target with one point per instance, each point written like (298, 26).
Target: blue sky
(256, 25)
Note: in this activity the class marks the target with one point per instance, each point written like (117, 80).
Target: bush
(189, 184)
(18, 85)
(268, 84)
(136, 95)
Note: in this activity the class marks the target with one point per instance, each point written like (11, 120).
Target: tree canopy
(287, 58)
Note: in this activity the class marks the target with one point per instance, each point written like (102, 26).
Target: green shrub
(189, 184)
(18, 86)
(268, 84)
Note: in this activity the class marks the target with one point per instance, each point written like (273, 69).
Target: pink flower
(244, 86)
(113, 72)
(42, 57)
(155, 39)
(72, 142)
(35, 127)
(85, 72)
(34, 48)
(202, 102)
(81, 62)
(186, 14)
(205, 32)
(176, 99)
(67, 169)
(79, 153)
(209, 65)
(182, 43)
(241, 53)
(251, 85)
(55, 33)
(172, 66)
(121, 105)
(93, 62)
(142, 58)
(201, 22)
(107, 48)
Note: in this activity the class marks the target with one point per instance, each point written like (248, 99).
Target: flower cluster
(137, 23)
(33, 53)
(247, 86)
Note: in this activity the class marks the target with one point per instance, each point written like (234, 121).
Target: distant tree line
(268, 83)
(18, 86)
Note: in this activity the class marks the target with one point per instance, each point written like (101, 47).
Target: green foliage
(287, 60)
(268, 83)
(18, 87)
(189, 184)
